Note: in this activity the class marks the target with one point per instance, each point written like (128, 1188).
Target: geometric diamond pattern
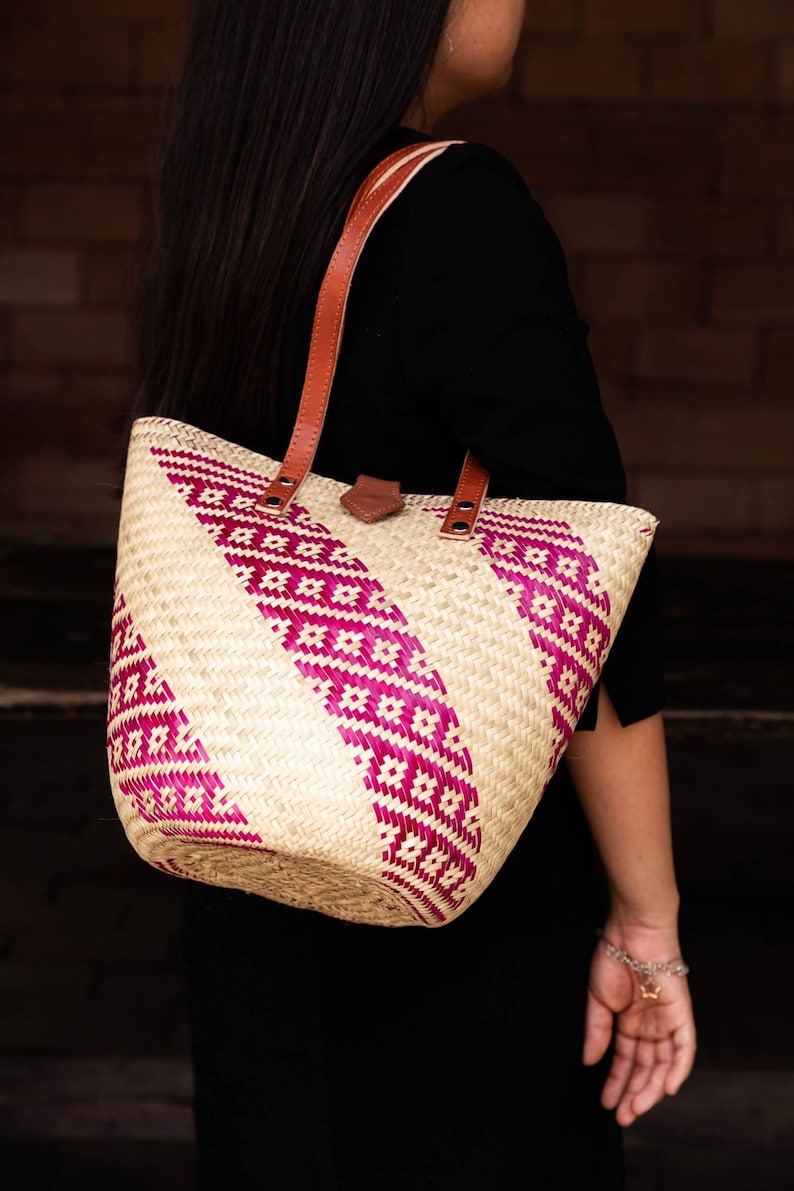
(161, 765)
(352, 644)
(556, 586)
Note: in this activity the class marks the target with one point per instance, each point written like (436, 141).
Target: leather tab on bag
(467, 501)
(371, 499)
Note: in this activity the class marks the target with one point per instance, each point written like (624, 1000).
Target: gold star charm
(649, 990)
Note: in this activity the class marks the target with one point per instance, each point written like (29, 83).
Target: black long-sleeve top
(462, 333)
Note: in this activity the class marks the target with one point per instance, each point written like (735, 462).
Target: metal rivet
(286, 481)
(274, 501)
(465, 504)
(460, 526)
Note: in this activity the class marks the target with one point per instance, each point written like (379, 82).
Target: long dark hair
(277, 104)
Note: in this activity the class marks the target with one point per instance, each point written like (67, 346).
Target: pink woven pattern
(351, 643)
(556, 587)
(161, 766)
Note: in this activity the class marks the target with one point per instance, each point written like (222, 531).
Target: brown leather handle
(388, 166)
(375, 195)
(373, 198)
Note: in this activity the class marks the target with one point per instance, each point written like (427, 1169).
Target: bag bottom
(305, 883)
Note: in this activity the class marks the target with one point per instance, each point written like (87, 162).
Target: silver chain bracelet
(646, 968)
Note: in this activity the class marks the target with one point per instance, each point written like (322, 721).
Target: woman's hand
(654, 1038)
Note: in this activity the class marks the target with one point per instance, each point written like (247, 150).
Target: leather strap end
(467, 502)
(460, 526)
(371, 499)
(278, 496)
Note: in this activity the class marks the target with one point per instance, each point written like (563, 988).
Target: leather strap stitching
(311, 414)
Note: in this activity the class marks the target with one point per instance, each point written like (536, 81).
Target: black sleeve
(491, 332)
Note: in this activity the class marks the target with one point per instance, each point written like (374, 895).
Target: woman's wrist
(631, 916)
(649, 969)
(648, 944)
(644, 937)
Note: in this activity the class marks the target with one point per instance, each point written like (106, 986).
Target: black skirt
(331, 1056)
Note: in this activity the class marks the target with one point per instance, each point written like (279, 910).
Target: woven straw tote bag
(347, 700)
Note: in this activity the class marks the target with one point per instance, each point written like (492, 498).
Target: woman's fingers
(684, 1050)
(597, 1031)
(643, 1098)
(619, 1072)
(638, 1078)
(645, 1063)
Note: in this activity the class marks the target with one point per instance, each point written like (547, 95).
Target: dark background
(659, 136)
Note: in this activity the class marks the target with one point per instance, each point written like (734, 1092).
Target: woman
(512, 1046)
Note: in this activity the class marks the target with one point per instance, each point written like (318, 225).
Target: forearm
(621, 777)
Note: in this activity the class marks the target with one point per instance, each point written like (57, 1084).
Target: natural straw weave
(354, 718)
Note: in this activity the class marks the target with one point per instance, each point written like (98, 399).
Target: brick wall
(659, 137)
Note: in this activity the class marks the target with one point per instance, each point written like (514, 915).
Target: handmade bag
(347, 701)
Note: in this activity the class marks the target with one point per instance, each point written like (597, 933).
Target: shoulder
(479, 166)
(471, 211)
(477, 162)
(472, 183)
